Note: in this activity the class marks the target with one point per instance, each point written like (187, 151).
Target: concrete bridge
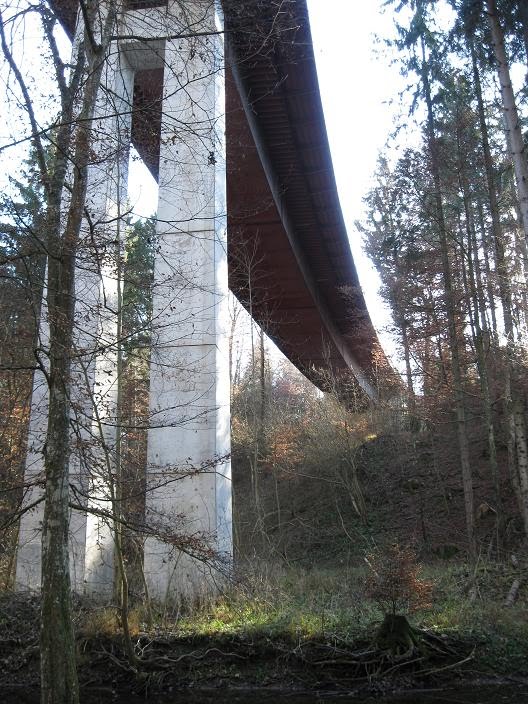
(224, 108)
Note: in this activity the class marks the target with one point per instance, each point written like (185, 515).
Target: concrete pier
(94, 382)
(189, 484)
(107, 205)
(188, 501)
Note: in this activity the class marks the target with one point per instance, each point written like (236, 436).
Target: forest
(379, 540)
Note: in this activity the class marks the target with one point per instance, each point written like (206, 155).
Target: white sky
(356, 85)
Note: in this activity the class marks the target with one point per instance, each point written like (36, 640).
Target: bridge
(230, 123)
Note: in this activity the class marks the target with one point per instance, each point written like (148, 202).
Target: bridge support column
(28, 564)
(106, 204)
(188, 500)
(94, 381)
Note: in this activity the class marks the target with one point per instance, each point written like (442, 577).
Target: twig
(448, 667)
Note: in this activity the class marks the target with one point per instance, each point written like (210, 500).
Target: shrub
(393, 581)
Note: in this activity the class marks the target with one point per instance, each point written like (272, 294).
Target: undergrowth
(332, 604)
(271, 625)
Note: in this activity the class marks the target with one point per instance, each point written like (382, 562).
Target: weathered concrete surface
(189, 491)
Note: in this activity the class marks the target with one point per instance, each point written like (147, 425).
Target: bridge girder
(283, 203)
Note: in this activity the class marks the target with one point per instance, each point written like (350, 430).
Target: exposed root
(398, 654)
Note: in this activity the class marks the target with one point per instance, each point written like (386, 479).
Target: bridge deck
(285, 226)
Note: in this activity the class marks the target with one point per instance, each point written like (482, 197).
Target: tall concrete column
(98, 304)
(188, 476)
(94, 387)
(28, 565)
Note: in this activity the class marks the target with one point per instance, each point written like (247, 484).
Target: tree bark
(477, 327)
(511, 115)
(59, 683)
(523, 17)
(513, 401)
(460, 411)
(408, 369)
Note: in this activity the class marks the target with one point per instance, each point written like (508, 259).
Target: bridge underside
(286, 233)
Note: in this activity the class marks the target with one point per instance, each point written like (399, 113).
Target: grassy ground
(296, 608)
(321, 603)
(294, 628)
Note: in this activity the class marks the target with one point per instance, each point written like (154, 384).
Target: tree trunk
(489, 278)
(408, 369)
(523, 16)
(262, 389)
(460, 411)
(57, 643)
(511, 116)
(478, 321)
(514, 402)
(59, 683)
